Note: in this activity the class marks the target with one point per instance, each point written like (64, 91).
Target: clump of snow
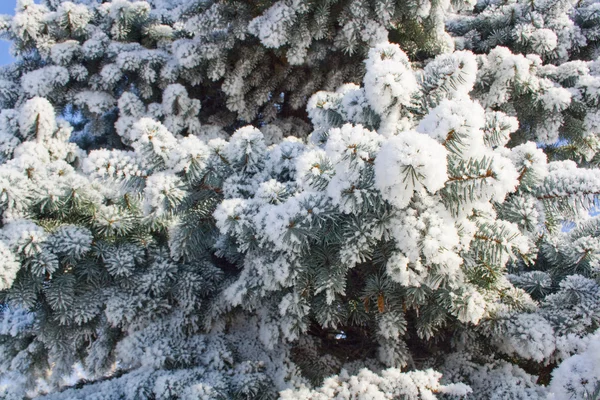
(577, 376)
(408, 162)
(9, 266)
(389, 80)
(37, 118)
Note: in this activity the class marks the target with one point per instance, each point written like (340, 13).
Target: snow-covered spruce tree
(148, 255)
(109, 257)
(395, 224)
(556, 30)
(245, 60)
(563, 33)
(88, 274)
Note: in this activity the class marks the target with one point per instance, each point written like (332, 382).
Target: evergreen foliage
(300, 200)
